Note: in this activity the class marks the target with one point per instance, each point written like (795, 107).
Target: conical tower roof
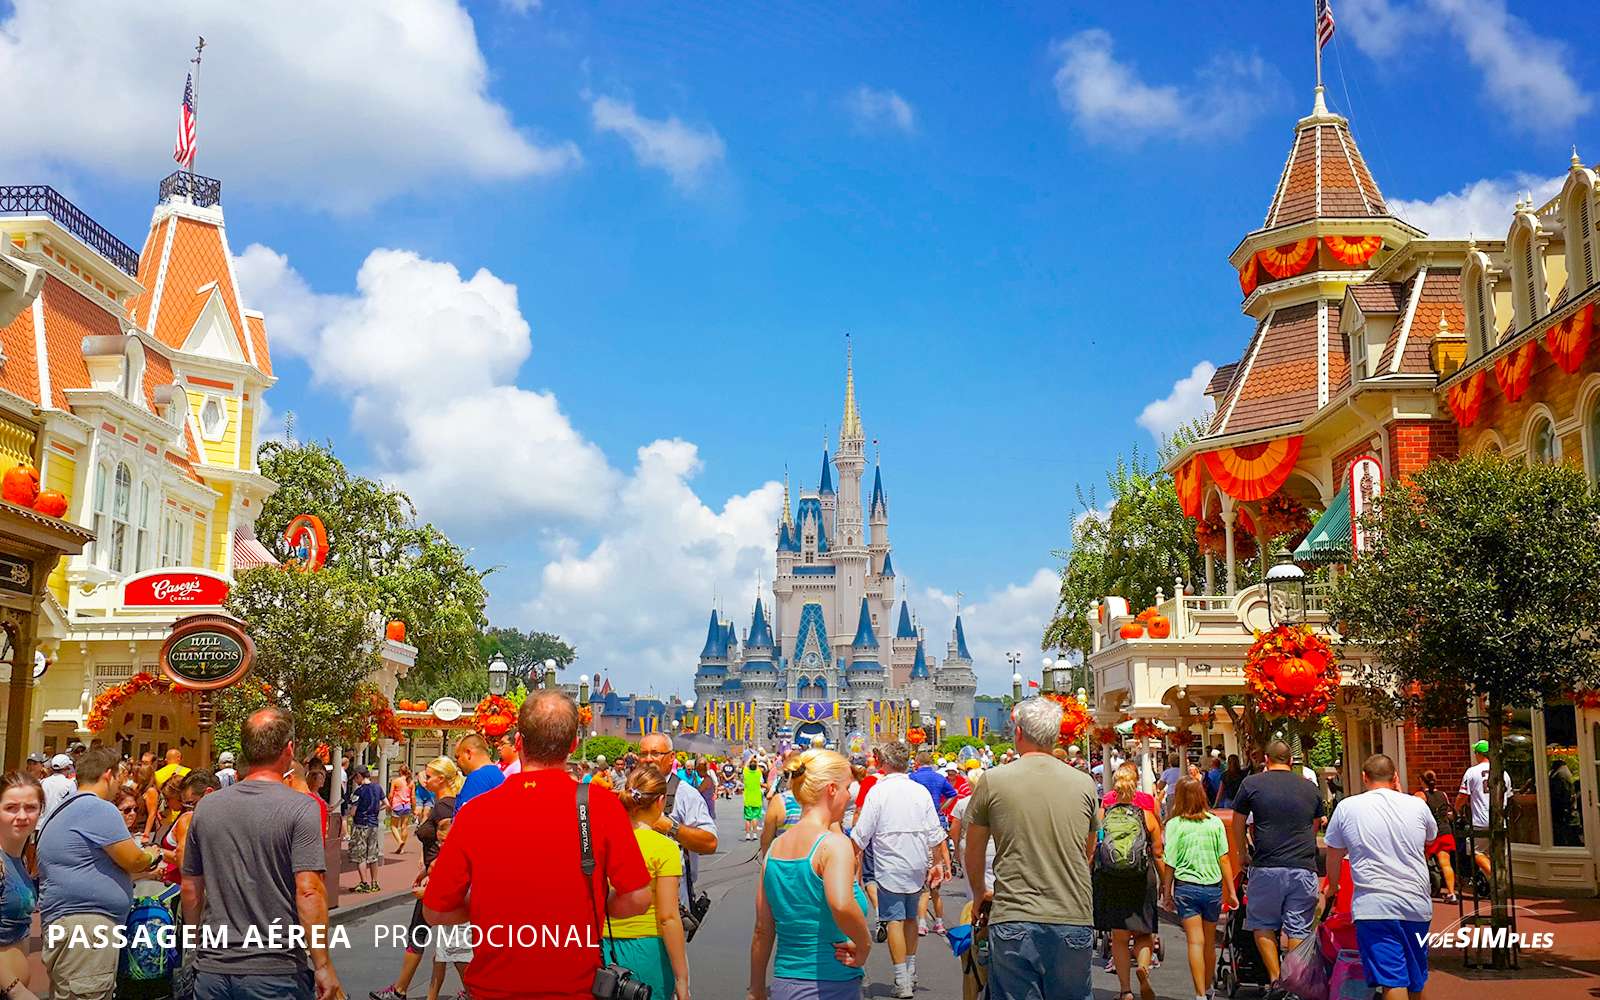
(864, 637)
(1325, 175)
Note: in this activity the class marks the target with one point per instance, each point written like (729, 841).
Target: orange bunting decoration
(1249, 276)
(1186, 478)
(1353, 251)
(1253, 471)
(1465, 399)
(1292, 673)
(1074, 717)
(1568, 340)
(1514, 370)
(1586, 699)
(1289, 259)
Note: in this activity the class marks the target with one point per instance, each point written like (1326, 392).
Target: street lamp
(916, 712)
(550, 675)
(1016, 688)
(1049, 673)
(1286, 591)
(499, 674)
(583, 689)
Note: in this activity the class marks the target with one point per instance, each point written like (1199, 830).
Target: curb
(346, 912)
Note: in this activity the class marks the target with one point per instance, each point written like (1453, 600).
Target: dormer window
(1527, 269)
(213, 418)
(1478, 301)
(1579, 217)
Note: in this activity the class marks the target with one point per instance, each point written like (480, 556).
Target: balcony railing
(31, 199)
(202, 192)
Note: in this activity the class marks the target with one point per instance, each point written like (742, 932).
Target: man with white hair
(1041, 813)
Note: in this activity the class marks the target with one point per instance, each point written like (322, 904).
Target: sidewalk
(1570, 968)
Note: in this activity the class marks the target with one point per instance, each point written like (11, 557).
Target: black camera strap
(683, 854)
(586, 846)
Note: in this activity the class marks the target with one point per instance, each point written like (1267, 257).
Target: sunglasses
(129, 809)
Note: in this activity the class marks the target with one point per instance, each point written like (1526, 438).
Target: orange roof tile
(1380, 298)
(69, 317)
(149, 264)
(196, 262)
(258, 336)
(1278, 384)
(1324, 176)
(20, 373)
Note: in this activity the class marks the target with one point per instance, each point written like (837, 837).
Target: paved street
(720, 953)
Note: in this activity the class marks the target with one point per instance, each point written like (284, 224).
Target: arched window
(102, 509)
(1582, 268)
(1594, 439)
(145, 556)
(1528, 284)
(1544, 447)
(121, 510)
(1479, 304)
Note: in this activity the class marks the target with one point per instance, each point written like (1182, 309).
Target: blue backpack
(144, 959)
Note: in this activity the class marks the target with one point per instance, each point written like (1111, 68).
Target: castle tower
(903, 649)
(825, 493)
(714, 664)
(866, 677)
(851, 560)
(955, 681)
(920, 686)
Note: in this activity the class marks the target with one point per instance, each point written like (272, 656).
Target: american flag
(1324, 22)
(183, 149)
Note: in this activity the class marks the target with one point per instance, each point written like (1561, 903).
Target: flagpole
(1316, 37)
(194, 95)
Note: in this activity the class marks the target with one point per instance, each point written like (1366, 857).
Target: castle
(833, 659)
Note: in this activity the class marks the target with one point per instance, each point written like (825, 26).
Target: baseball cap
(225, 757)
(1482, 746)
(37, 758)
(60, 762)
(360, 770)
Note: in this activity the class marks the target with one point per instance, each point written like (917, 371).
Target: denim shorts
(897, 905)
(1029, 961)
(1283, 899)
(1193, 899)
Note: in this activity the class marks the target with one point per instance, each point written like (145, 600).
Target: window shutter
(1586, 240)
(1529, 293)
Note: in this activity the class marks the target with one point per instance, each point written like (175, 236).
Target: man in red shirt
(511, 866)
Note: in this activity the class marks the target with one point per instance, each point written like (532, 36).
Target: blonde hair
(446, 768)
(814, 770)
(1125, 781)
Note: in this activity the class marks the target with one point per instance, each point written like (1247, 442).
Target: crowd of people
(852, 852)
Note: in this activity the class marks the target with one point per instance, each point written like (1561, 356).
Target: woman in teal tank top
(808, 904)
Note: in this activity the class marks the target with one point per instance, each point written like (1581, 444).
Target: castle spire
(850, 426)
(788, 510)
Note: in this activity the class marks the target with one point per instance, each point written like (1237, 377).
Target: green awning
(1329, 540)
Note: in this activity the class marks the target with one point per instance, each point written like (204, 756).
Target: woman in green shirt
(1197, 876)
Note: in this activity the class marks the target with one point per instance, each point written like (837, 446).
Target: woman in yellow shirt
(651, 945)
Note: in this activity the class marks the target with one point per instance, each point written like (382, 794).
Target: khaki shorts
(81, 972)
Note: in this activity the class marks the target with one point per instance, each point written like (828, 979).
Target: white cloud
(881, 109)
(638, 596)
(684, 152)
(1482, 208)
(1109, 102)
(1525, 75)
(338, 111)
(522, 6)
(1012, 618)
(1186, 401)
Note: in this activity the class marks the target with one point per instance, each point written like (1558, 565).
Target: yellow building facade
(145, 371)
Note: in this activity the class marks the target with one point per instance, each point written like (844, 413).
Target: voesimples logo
(1488, 937)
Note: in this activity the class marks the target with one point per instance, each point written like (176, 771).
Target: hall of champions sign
(206, 652)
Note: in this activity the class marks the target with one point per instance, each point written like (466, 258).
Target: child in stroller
(1238, 961)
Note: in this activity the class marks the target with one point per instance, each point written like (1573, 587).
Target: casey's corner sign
(206, 652)
(175, 588)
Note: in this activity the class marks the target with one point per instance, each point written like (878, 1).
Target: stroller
(1238, 961)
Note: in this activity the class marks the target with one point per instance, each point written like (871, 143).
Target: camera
(613, 982)
(691, 915)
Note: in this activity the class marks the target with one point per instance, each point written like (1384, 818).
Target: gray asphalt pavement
(720, 952)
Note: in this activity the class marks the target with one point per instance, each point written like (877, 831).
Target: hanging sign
(206, 652)
(811, 711)
(1366, 484)
(175, 588)
(447, 709)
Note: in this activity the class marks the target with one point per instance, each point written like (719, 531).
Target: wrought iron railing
(202, 192)
(18, 199)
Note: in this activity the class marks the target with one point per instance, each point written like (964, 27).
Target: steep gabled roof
(187, 262)
(1412, 336)
(1325, 175)
(1221, 379)
(760, 632)
(1381, 298)
(919, 666)
(1290, 369)
(961, 640)
(825, 487)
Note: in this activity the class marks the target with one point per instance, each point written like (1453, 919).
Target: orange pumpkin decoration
(1145, 615)
(1100, 611)
(395, 631)
(52, 503)
(20, 485)
(1160, 626)
(1298, 676)
(1132, 630)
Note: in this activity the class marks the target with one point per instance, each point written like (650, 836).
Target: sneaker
(904, 989)
(922, 929)
(938, 926)
(882, 933)
(387, 993)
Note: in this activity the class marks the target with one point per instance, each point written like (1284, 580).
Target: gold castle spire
(850, 426)
(788, 516)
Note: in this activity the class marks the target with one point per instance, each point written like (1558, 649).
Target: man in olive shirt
(1041, 812)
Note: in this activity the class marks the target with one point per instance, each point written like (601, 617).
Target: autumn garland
(1106, 734)
(1292, 673)
(585, 716)
(1284, 515)
(1211, 536)
(1146, 729)
(111, 697)
(1074, 717)
(916, 736)
(1183, 738)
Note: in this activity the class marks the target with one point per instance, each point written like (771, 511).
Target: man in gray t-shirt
(252, 870)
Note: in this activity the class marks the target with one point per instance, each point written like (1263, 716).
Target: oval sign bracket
(207, 652)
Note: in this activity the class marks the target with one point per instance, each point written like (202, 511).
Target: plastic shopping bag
(1305, 973)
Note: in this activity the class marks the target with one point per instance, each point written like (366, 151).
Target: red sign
(172, 588)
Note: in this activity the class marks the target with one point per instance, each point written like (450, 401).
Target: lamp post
(583, 689)
(1048, 675)
(499, 674)
(916, 713)
(1286, 591)
(1014, 658)
(1016, 688)
(550, 675)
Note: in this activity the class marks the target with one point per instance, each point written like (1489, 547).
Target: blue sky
(619, 246)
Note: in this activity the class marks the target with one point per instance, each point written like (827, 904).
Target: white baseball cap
(60, 762)
(226, 757)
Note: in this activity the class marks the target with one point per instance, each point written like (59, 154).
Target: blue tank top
(18, 899)
(806, 929)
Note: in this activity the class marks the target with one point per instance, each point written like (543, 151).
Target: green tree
(1478, 589)
(612, 748)
(415, 572)
(314, 650)
(525, 652)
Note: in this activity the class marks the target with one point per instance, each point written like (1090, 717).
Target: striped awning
(248, 552)
(1329, 539)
